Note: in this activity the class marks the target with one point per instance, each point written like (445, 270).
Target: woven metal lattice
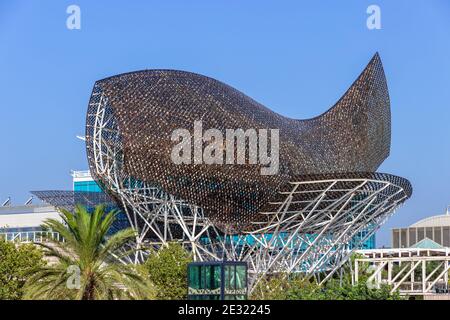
(132, 116)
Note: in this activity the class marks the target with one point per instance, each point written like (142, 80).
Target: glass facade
(83, 182)
(370, 243)
(21, 229)
(217, 281)
(86, 186)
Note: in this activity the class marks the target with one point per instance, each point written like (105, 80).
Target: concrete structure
(23, 223)
(83, 181)
(435, 228)
(25, 217)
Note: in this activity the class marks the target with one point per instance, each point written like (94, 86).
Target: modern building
(369, 243)
(303, 206)
(83, 182)
(25, 218)
(23, 223)
(435, 229)
(85, 192)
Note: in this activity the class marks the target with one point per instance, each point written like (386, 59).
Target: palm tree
(87, 265)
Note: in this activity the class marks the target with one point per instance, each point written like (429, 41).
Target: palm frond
(88, 246)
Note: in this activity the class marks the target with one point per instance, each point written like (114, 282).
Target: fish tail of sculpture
(358, 125)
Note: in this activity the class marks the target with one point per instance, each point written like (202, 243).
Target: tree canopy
(15, 262)
(294, 287)
(87, 267)
(167, 269)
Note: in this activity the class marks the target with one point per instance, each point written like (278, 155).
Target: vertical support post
(424, 275)
(379, 277)
(446, 275)
(390, 272)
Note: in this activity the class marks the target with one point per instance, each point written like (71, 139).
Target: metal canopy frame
(279, 246)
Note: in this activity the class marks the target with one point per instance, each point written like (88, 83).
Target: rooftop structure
(25, 217)
(426, 244)
(23, 223)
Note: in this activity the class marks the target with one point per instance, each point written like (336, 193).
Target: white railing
(30, 236)
(81, 174)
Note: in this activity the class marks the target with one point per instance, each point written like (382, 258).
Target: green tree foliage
(167, 270)
(15, 261)
(361, 291)
(86, 267)
(283, 287)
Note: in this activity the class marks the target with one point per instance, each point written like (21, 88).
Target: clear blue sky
(296, 57)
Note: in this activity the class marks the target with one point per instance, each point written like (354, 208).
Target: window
(420, 234)
(205, 281)
(412, 236)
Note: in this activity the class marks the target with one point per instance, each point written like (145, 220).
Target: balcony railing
(30, 236)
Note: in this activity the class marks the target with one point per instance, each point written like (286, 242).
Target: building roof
(434, 221)
(68, 200)
(427, 243)
(26, 216)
